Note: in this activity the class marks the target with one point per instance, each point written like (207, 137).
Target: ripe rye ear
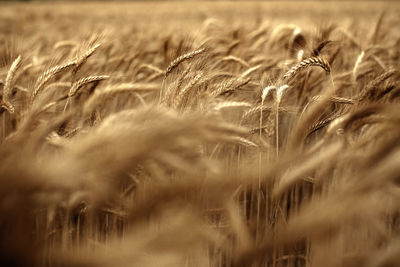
(311, 61)
(9, 84)
(79, 61)
(82, 82)
(175, 63)
(46, 76)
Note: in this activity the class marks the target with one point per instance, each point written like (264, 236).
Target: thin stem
(4, 126)
(161, 91)
(259, 177)
(277, 128)
(333, 85)
(66, 104)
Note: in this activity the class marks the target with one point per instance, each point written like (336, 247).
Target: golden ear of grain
(77, 85)
(175, 63)
(83, 58)
(357, 64)
(242, 141)
(322, 123)
(46, 76)
(236, 59)
(230, 86)
(334, 99)
(65, 43)
(265, 92)
(280, 91)
(231, 104)
(249, 71)
(150, 67)
(100, 96)
(174, 88)
(9, 84)
(300, 55)
(368, 91)
(311, 61)
(256, 109)
(178, 100)
(8, 106)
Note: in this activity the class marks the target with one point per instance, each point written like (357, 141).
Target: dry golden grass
(200, 134)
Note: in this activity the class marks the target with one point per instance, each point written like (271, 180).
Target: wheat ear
(231, 104)
(99, 96)
(82, 82)
(230, 86)
(311, 61)
(170, 90)
(79, 84)
(185, 90)
(82, 59)
(9, 84)
(150, 67)
(236, 59)
(46, 76)
(249, 71)
(357, 64)
(65, 43)
(175, 63)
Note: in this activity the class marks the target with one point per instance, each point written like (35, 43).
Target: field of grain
(200, 134)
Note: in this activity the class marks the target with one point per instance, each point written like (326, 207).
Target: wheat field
(200, 134)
